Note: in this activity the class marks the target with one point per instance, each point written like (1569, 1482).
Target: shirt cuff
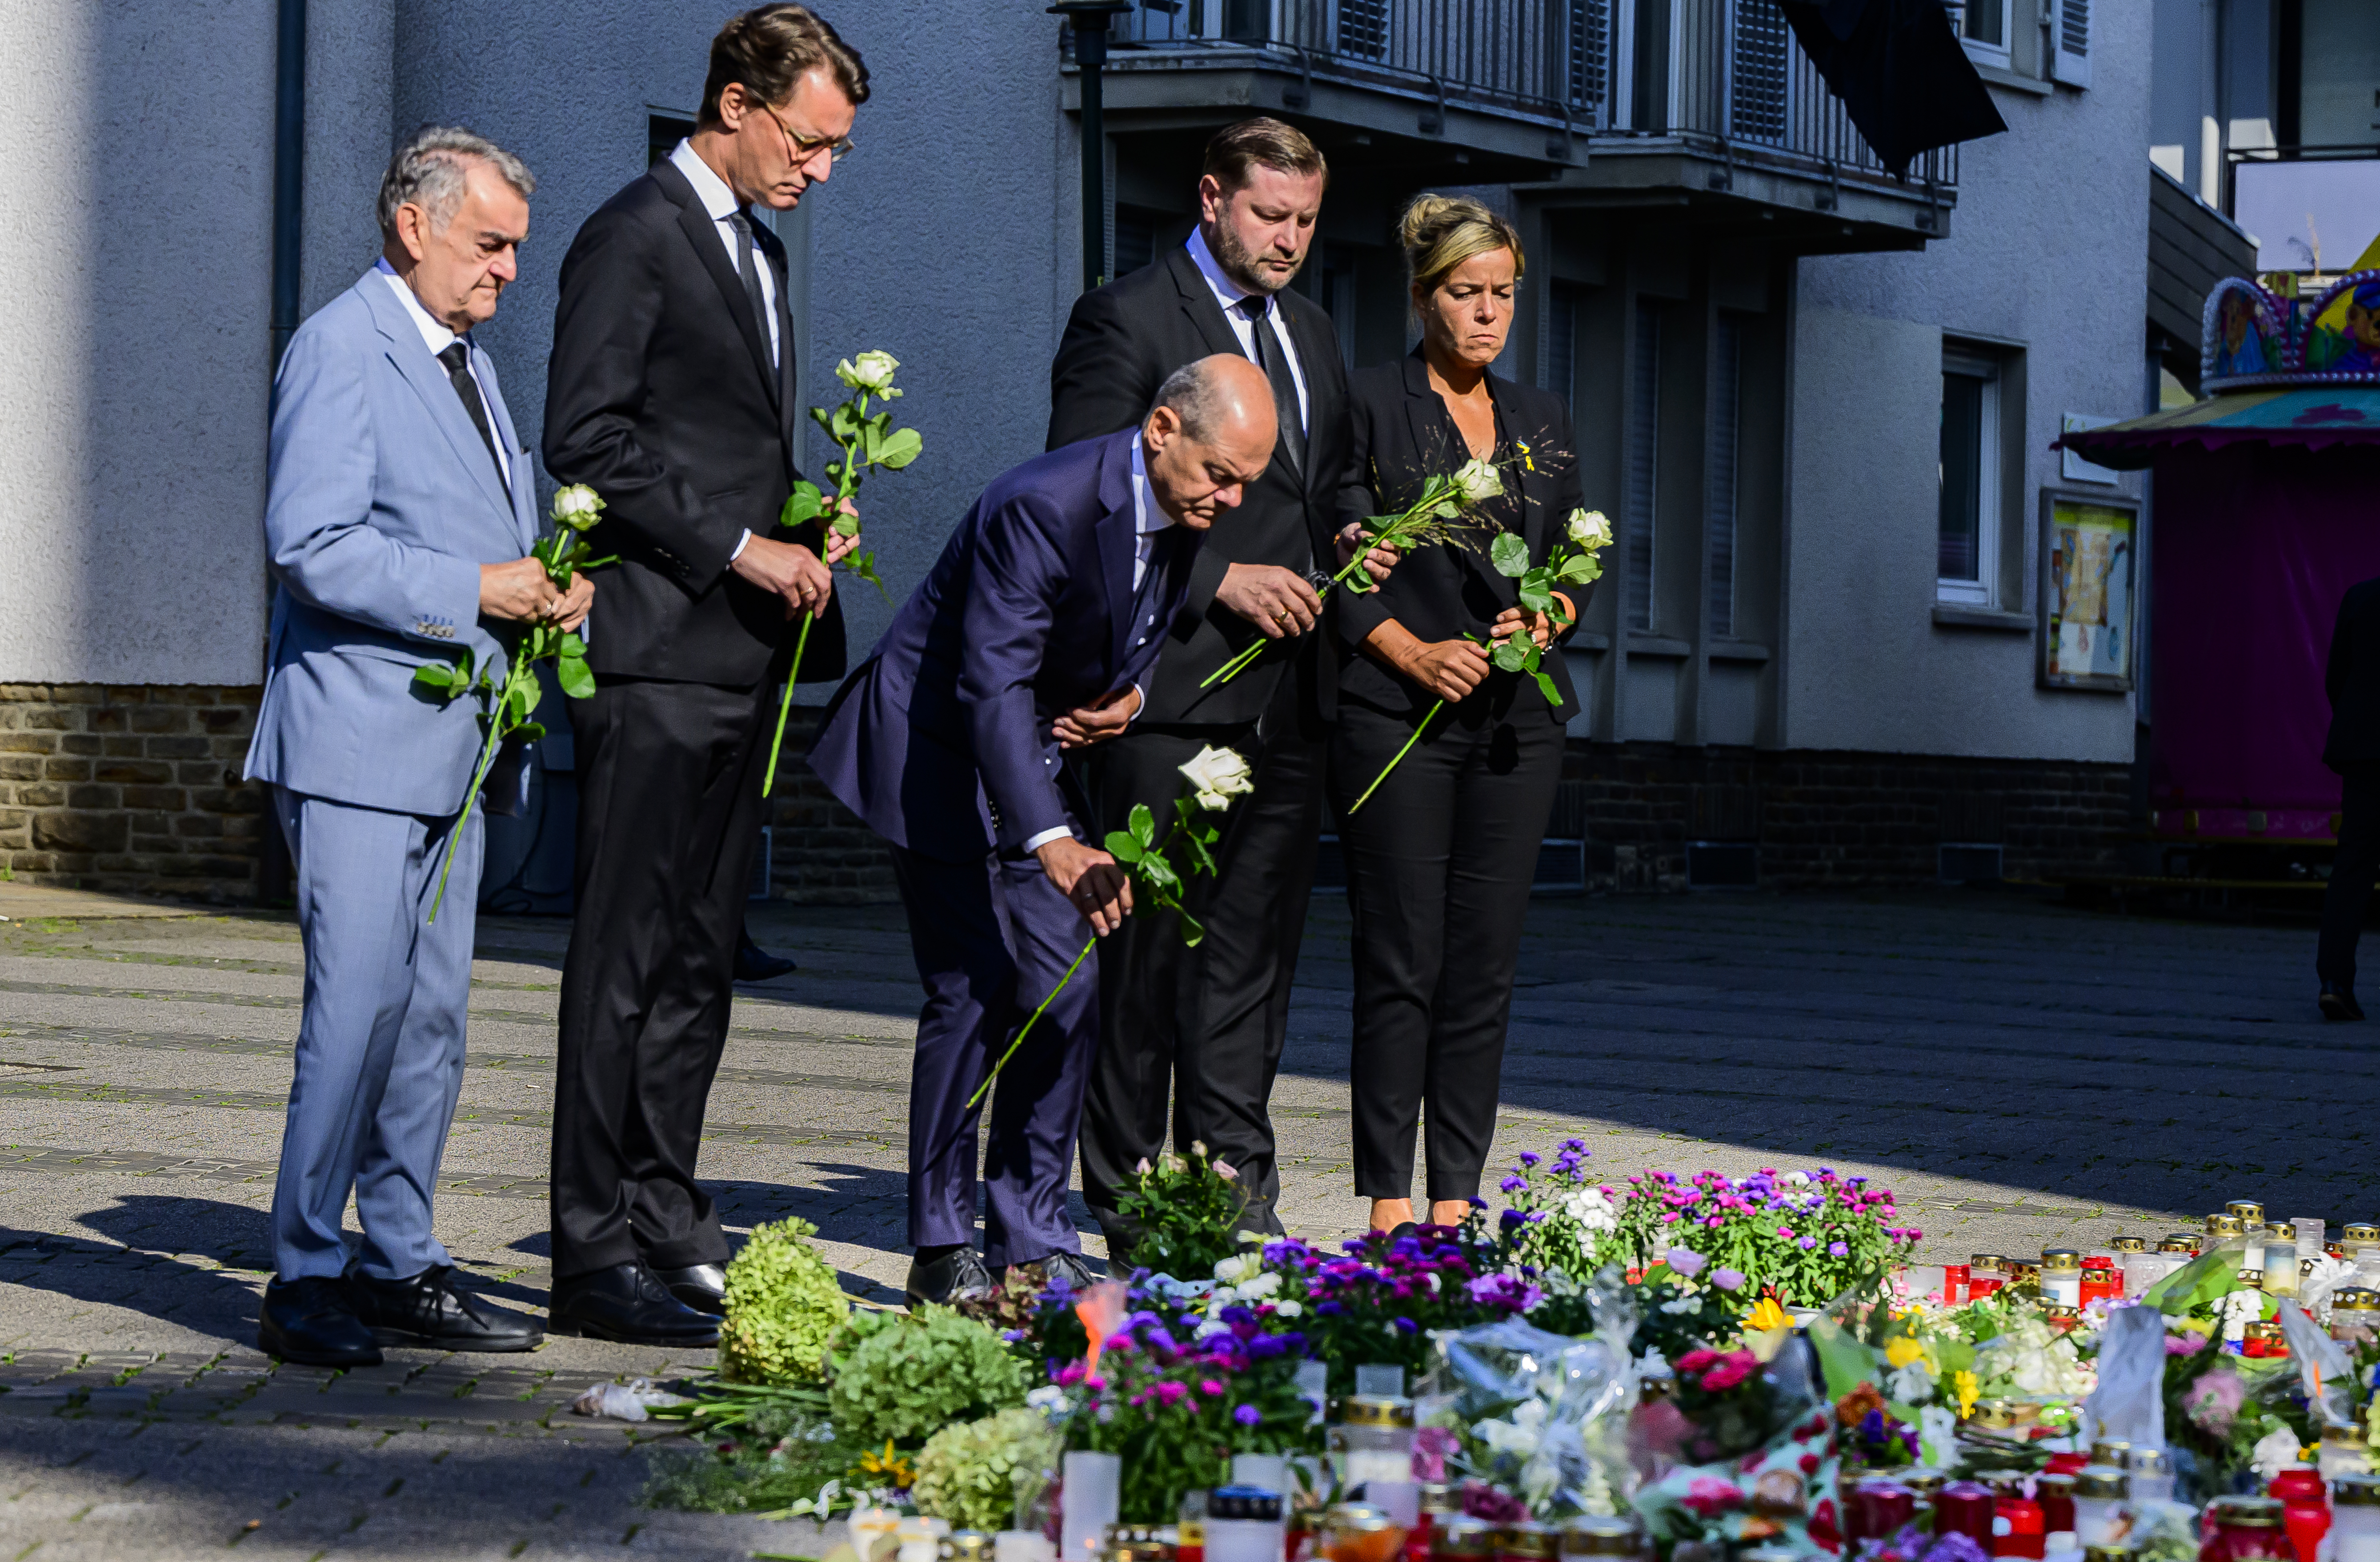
(1138, 705)
(738, 551)
(1035, 842)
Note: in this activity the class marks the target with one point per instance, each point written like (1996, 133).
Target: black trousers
(1197, 1033)
(1440, 861)
(2343, 904)
(669, 813)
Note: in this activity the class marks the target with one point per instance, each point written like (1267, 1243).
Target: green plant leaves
(1123, 847)
(1515, 652)
(804, 505)
(1535, 594)
(571, 670)
(892, 448)
(1510, 554)
(1143, 824)
(447, 678)
(1546, 687)
(1579, 569)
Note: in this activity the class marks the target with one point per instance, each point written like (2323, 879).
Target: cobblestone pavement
(2020, 1073)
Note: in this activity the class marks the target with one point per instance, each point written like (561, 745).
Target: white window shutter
(2070, 32)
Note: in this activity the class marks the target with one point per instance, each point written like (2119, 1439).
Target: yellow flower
(1965, 1390)
(894, 1469)
(1901, 1350)
(1767, 1317)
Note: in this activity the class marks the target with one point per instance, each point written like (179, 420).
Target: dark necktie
(747, 267)
(1275, 364)
(457, 357)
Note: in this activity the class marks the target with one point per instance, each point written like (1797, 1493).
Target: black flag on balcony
(1902, 76)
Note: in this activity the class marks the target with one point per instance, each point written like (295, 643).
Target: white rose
(1287, 1307)
(1229, 1270)
(2272, 1451)
(1589, 529)
(868, 372)
(1219, 774)
(577, 507)
(1477, 479)
(1259, 1287)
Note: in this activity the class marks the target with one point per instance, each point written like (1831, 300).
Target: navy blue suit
(940, 741)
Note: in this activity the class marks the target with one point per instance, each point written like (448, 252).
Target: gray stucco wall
(135, 202)
(2047, 253)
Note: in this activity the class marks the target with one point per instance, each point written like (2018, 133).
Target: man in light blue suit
(398, 515)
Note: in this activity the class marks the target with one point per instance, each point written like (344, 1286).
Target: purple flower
(1807, 1243)
(1405, 1325)
(1728, 1279)
(1836, 1250)
(1513, 1184)
(1246, 1415)
(1686, 1262)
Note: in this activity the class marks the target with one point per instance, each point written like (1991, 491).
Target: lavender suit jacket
(941, 740)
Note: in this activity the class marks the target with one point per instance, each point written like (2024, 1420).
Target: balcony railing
(1723, 76)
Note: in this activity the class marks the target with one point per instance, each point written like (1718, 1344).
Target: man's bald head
(1211, 435)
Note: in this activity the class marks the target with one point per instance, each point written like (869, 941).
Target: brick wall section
(130, 789)
(824, 856)
(1827, 819)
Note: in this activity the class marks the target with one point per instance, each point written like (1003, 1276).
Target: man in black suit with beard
(671, 392)
(1204, 1026)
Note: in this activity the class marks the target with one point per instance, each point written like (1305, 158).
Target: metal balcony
(1619, 99)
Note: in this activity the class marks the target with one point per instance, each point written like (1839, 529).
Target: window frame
(2002, 54)
(1984, 591)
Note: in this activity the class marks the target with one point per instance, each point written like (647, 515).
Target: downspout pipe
(273, 876)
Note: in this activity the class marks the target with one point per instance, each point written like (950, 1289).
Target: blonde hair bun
(1441, 232)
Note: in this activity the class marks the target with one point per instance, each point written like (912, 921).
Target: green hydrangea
(783, 1306)
(905, 1376)
(966, 1472)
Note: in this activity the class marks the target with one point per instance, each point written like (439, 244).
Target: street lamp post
(1090, 22)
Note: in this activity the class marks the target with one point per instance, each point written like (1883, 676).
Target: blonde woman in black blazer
(1441, 857)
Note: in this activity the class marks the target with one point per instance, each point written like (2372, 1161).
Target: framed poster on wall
(2089, 546)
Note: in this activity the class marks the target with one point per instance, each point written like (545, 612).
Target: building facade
(1817, 400)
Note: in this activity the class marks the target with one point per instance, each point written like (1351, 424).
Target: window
(1562, 341)
(1984, 28)
(1643, 451)
(1590, 58)
(1364, 28)
(1969, 546)
(1763, 47)
(1726, 372)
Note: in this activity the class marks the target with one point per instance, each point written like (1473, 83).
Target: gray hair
(1191, 391)
(429, 170)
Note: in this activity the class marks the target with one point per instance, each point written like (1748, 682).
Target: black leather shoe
(756, 964)
(312, 1322)
(1070, 1270)
(2338, 1003)
(958, 1276)
(627, 1303)
(427, 1309)
(702, 1286)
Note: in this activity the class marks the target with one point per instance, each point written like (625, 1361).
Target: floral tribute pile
(1718, 1361)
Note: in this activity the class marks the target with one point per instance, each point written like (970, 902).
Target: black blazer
(659, 397)
(2352, 681)
(1401, 434)
(1121, 341)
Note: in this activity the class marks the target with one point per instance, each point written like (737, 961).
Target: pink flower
(1709, 1497)
(2185, 1344)
(2213, 1400)
(1728, 1279)
(1685, 1261)
(1170, 1393)
(1226, 1173)
(1695, 1361)
(1726, 1375)
(1430, 1446)
(1212, 1389)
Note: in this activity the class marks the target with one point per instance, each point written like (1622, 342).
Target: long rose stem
(487, 758)
(769, 782)
(1383, 775)
(1029, 1023)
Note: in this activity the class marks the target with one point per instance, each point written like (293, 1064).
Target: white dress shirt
(1149, 522)
(1229, 293)
(437, 338)
(721, 203)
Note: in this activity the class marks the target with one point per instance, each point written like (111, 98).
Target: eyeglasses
(807, 147)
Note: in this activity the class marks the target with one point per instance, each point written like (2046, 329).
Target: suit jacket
(1121, 341)
(2352, 681)
(1027, 614)
(381, 501)
(1401, 433)
(660, 397)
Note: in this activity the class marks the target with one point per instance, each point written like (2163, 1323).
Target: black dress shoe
(310, 1321)
(627, 1303)
(427, 1309)
(957, 1275)
(756, 964)
(702, 1286)
(1070, 1271)
(2338, 1003)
